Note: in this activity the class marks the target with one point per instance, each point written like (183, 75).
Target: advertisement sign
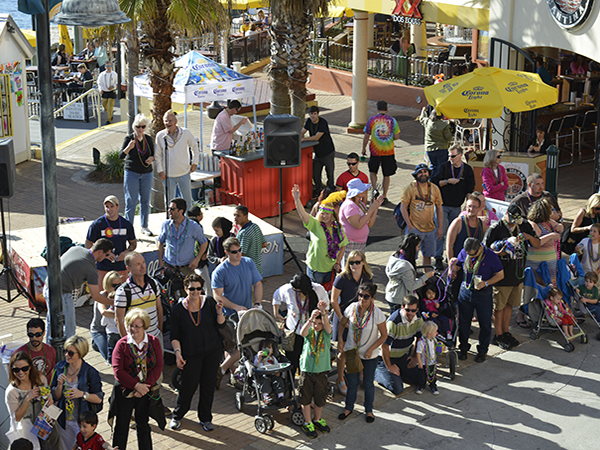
(407, 11)
(517, 174)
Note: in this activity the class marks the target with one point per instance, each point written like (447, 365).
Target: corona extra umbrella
(484, 92)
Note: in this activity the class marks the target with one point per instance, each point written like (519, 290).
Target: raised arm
(299, 206)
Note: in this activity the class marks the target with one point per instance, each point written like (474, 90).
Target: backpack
(399, 217)
(165, 303)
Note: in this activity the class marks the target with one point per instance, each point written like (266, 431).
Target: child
(427, 359)
(432, 305)
(315, 364)
(100, 338)
(559, 311)
(87, 438)
(108, 322)
(589, 294)
(273, 382)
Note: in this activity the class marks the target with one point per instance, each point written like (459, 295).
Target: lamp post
(73, 12)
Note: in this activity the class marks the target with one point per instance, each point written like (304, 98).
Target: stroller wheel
(584, 339)
(176, 378)
(533, 335)
(270, 422)
(261, 425)
(569, 347)
(239, 401)
(452, 364)
(298, 418)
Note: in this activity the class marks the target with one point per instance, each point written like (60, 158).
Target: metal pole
(56, 335)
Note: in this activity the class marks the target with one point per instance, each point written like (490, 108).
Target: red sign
(407, 8)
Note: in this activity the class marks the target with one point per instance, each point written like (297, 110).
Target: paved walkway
(78, 198)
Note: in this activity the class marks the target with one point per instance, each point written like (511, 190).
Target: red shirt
(344, 178)
(95, 442)
(44, 359)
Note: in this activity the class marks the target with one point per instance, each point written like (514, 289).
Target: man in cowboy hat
(418, 201)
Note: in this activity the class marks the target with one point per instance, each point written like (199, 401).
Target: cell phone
(375, 194)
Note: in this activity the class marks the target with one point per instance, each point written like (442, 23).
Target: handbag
(22, 429)
(228, 336)
(353, 362)
(288, 340)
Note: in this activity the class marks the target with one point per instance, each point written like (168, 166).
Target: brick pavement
(78, 198)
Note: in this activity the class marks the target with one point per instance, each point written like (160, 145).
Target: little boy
(589, 294)
(87, 438)
(427, 359)
(315, 364)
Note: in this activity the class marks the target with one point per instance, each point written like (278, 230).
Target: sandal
(342, 387)
(523, 324)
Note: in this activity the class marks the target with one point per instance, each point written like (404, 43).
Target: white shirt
(176, 161)
(286, 294)
(369, 334)
(107, 81)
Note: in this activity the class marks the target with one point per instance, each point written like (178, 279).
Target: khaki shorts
(313, 386)
(507, 295)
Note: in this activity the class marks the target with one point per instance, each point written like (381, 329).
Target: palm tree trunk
(298, 63)
(133, 69)
(280, 98)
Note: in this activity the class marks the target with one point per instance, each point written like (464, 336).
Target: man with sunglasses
(508, 291)
(223, 129)
(399, 363)
(341, 183)
(234, 282)
(43, 355)
(456, 181)
(324, 149)
(482, 269)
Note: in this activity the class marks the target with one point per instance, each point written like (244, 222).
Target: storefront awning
(464, 13)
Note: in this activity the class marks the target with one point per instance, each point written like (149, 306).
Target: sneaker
(207, 426)
(309, 430)
(175, 424)
(420, 390)
(147, 232)
(462, 355)
(434, 390)
(503, 343)
(321, 425)
(511, 340)
(480, 358)
(495, 340)
(220, 376)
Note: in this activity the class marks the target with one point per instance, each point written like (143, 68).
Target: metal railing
(94, 97)
(249, 49)
(413, 70)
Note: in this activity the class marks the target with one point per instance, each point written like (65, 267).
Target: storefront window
(483, 45)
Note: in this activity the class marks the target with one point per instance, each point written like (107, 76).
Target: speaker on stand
(8, 174)
(282, 149)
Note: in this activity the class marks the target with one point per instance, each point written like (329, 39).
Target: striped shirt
(141, 297)
(401, 333)
(251, 241)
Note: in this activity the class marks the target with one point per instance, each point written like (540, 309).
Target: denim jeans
(318, 277)
(185, 187)
(353, 379)
(450, 213)
(137, 187)
(101, 340)
(68, 306)
(482, 302)
(395, 383)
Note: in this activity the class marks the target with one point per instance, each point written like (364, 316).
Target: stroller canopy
(256, 320)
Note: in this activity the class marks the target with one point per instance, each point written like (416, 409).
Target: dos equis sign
(407, 11)
(569, 14)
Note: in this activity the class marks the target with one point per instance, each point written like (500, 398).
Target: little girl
(559, 311)
(98, 329)
(110, 326)
(267, 383)
(432, 313)
(427, 359)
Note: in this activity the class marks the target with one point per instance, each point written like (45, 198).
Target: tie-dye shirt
(382, 129)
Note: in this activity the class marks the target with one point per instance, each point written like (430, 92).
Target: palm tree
(289, 33)
(160, 21)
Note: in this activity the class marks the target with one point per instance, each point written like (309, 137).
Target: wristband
(177, 350)
(85, 395)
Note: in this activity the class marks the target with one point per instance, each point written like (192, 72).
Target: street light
(84, 13)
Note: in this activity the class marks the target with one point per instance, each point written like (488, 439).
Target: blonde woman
(582, 224)
(495, 181)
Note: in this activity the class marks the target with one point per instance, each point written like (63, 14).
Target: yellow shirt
(420, 204)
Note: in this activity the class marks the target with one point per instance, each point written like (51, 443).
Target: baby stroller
(539, 314)
(254, 326)
(447, 312)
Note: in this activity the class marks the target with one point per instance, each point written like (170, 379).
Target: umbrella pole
(201, 127)
(254, 111)
(185, 115)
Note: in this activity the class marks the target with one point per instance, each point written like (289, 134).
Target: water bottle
(264, 353)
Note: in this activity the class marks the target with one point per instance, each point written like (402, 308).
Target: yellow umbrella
(485, 91)
(64, 38)
(339, 11)
(30, 35)
(245, 4)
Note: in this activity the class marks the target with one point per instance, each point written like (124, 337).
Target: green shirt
(308, 362)
(316, 257)
(251, 241)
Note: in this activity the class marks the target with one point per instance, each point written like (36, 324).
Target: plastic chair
(567, 129)
(475, 130)
(585, 125)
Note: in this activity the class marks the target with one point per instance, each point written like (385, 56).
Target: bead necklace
(317, 344)
(177, 241)
(421, 196)
(468, 227)
(333, 238)
(590, 248)
(472, 266)
(302, 308)
(358, 323)
(194, 321)
(139, 356)
(135, 286)
(109, 232)
(142, 151)
(459, 173)
(429, 360)
(314, 127)
(172, 141)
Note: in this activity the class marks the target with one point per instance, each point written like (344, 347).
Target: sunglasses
(453, 156)
(354, 263)
(192, 289)
(71, 353)
(365, 296)
(352, 164)
(38, 334)
(171, 208)
(411, 310)
(23, 369)
(499, 156)
(140, 126)
(233, 252)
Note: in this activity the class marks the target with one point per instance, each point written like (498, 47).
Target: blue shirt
(179, 243)
(119, 231)
(490, 265)
(236, 282)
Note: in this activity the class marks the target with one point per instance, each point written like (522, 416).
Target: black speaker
(282, 141)
(8, 173)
